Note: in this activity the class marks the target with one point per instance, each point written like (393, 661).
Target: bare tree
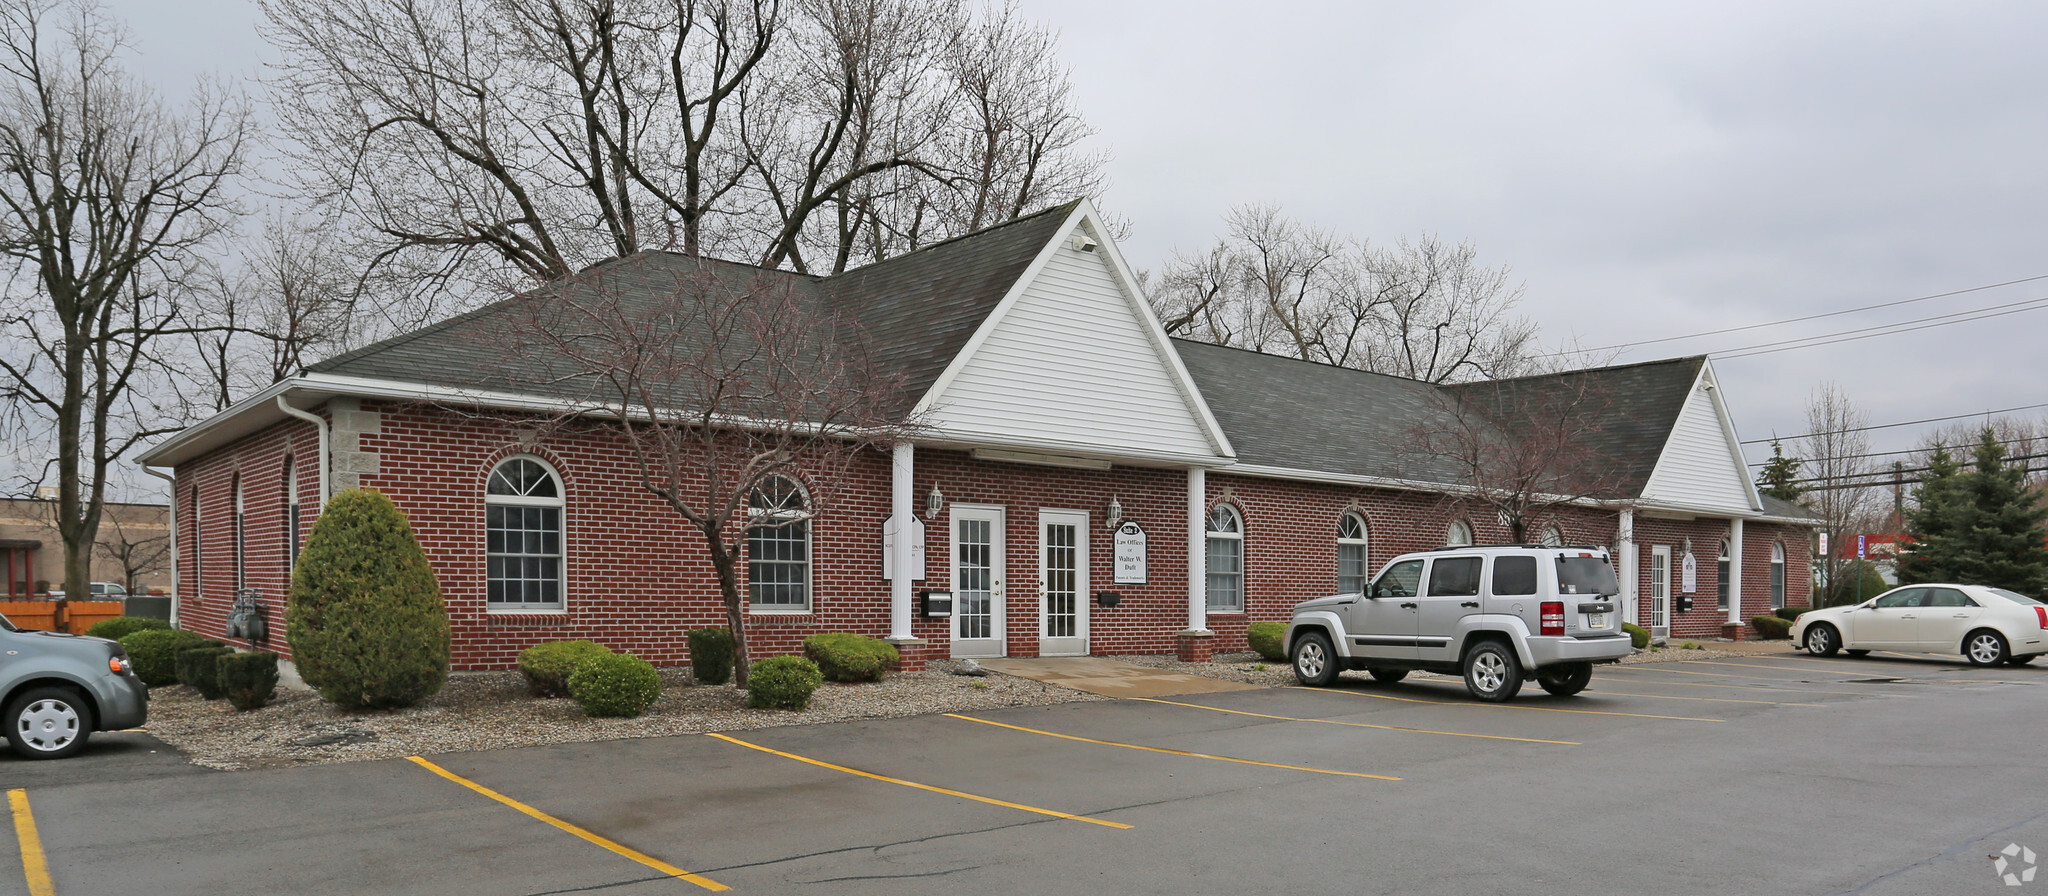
(1519, 449)
(1446, 317)
(282, 303)
(137, 553)
(108, 197)
(720, 383)
(1835, 450)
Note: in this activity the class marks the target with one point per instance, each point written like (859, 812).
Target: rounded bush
(1638, 636)
(845, 656)
(248, 680)
(615, 685)
(783, 682)
(547, 667)
(154, 653)
(1269, 639)
(1791, 614)
(1771, 628)
(199, 667)
(711, 655)
(122, 626)
(366, 623)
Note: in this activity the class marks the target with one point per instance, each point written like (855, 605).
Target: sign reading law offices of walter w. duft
(1130, 554)
(916, 549)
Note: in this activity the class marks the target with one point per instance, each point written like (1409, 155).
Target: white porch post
(900, 469)
(1735, 571)
(1198, 543)
(1625, 541)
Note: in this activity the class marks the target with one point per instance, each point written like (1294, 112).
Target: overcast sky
(1648, 170)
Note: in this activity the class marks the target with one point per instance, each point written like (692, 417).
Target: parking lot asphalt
(1768, 774)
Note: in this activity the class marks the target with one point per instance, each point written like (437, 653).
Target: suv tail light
(2043, 613)
(1553, 617)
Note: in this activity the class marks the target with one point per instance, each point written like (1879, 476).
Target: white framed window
(523, 544)
(1351, 554)
(1226, 560)
(241, 555)
(1778, 576)
(779, 547)
(1721, 572)
(291, 518)
(1458, 535)
(1553, 537)
(198, 545)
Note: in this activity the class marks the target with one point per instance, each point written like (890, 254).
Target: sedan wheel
(1821, 640)
(1985, 648)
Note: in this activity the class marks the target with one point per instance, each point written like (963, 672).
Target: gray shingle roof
(1641, 404)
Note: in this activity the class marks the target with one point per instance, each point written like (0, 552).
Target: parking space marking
(1708, 699)
(1741, 665)
(1111, 743)
(611, 845)
(1239, 712)
(1589, 712)
(927, 787)
(1667, 683)
(34, 866)
(1646, 667)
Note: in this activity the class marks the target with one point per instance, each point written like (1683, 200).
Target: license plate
(1596, 620)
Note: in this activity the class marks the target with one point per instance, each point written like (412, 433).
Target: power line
(1801, 460)
(1794, 320)
(1896, 425)
(1885, 329)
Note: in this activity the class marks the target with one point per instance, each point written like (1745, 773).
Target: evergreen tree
(1932, 523)
(366, 623)
(1780, 474)
(1979, 526)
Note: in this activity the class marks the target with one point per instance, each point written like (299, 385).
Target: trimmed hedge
(154, 652)
(122, 626)
(199, 667)
(1269, 639)
(1771, 628)
(1791, 614)
(1638, 636)
(783, 682)
(547, 666)
(366, 623)
(248, 680)
(711, 655)
(615, 685)
(845, 656)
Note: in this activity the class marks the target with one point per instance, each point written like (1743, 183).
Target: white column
(1198, 554)
(900, 469)
(1735, 571)
(1625, 541)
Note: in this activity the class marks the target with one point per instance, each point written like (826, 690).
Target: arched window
(1553, 537)
(1226, 560)
(241, 565)
(779, 547)
(291, 516)
(1778, 576)
(1351, 555)
(1458, 535)
(1721, 572)
(523, 537)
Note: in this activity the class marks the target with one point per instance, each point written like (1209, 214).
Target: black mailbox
(1108, 598)
(1685, 603)
(936, 604)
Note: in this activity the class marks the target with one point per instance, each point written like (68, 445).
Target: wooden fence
(59, 615)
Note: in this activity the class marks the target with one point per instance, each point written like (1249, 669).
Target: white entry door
(977, 580)
(1062, 583)
(1660, 591)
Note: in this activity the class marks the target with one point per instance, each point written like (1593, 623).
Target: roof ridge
(1064, 208)
(1324, 364)
(1682, 359)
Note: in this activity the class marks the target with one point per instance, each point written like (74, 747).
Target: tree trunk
(735, 611)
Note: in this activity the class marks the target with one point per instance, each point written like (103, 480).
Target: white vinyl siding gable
(1698, 469)
(1072, 364)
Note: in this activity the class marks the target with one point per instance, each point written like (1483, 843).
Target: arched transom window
(1351, 554)
(779, 547)
(523, 537)
(1226, 560)
(1459, 534)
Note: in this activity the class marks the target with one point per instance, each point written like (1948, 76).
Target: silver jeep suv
(1493, 614)
(57, 689)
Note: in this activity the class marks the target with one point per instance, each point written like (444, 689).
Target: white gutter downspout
(320, 424)
(1735, 536)
(1626, 541)
(173, 480)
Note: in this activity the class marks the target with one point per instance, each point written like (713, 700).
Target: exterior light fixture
(1115, 514)
(934, 503)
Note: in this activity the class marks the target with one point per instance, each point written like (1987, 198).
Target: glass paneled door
(1062, 583)
(977, 580)
(1660, 591)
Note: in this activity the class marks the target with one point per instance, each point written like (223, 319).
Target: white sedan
(1988, 626)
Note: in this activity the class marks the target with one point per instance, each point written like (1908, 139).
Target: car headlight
(119, 665)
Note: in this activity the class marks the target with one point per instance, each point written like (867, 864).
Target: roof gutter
(319, 424)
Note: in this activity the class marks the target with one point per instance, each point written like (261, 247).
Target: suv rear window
(1586, 575)
(1514, 576)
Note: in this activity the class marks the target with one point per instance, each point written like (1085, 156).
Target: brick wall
(1706, 619)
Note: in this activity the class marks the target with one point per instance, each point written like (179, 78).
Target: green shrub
(711, 655)
(248, 680)
(1691, 645)
(198, 667)
(1847, 589)
(547, 667)
(1771, 628)
(154, 652)
(845, 656)
(1638, 636)
(1790, 614)
(122, 626)
(783, 682)
(615, 685)
(1269, 639)
(366, 623)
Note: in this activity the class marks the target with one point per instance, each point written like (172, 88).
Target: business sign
(1130, 554)
(916, 549)
(1689, 580)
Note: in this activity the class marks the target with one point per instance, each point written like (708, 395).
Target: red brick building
(1071, 459)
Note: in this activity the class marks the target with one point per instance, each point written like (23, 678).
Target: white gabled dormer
(1074, 362)
(1701, 467)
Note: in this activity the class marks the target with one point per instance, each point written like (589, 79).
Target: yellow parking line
(1708, 699)
(614, 846)
(1111, 743)
(1589, 712)
(1239, 712)
(1745, 687)
(1650, 667)
(33, 866)
(1742, 665)
(965, 796)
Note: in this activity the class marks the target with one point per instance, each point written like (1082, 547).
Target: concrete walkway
(1109, 677)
